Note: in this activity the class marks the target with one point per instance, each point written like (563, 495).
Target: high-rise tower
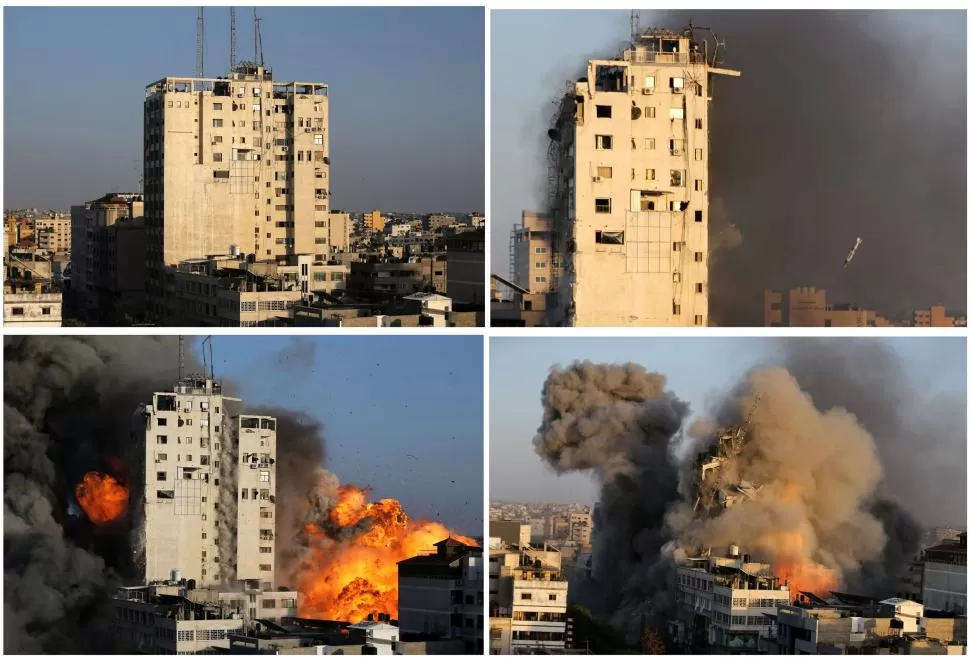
(628, 180)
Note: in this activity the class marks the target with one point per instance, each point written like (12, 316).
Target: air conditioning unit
(675, 152)
(597, 179)
(285, 148)
(647, 91)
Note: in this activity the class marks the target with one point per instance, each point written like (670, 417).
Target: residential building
(373, 221)
(726, 603)
(806, 307)
(477, 220)
(628, 198)
(511, 532)
(945, 576)
(236, 161)
(934, 317)
(581, 526)
(53, 233)
(173, 617)
(531, 264)
(466, 268)
(442, 594)
(512, 305)
(194, 457)
(527, 599)
(398, 278)
(439, 221)
(34, 304)
(339, 226)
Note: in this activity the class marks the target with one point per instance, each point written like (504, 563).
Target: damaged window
(677, 178)
(610, 238)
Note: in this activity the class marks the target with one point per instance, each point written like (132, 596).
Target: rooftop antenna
(208, 368)
(634, 25)
(257, 40)
(232, 39)
(181, 357)
(199, 43)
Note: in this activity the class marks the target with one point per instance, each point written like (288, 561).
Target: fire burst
(352, 574)
(102, 497)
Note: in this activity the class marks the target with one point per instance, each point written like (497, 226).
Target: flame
(102, 497)
(348, 579)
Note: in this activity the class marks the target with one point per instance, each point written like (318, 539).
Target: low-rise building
(443, 595)
(945, 576)
(527, 599)
(31, 304)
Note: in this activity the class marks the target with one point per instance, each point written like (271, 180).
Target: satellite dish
(636, 113)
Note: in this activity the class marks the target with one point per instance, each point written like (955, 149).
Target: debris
(858, 242)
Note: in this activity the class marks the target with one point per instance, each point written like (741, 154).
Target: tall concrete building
(206, 474)
(628, 179)
(241, 161)
(531, 263)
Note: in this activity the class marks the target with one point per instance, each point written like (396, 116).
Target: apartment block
(238, 161)
(628, 186)
(194, 451)
(53, 233)
(532, 265)
(527, 599)
(31, 304)
(373, 221)
(466, 268)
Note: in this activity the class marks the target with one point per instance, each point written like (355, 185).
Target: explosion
(102, 497)
(351, 570)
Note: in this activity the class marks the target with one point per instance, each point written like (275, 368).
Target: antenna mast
(200, 43)
(634, 25)
(232, 39)
(181, 357)
(257, 39)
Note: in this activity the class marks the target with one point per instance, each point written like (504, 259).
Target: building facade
(466, 268)
(945, 576)
(53, 233)
(36, 306)
(628, 173)
(532, 265)
(239, 161)
(192, 447)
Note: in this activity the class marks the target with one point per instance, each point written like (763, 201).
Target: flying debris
(858, 242)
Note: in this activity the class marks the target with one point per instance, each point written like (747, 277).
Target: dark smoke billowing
(68, 405)
(826, 514)
(842, 124)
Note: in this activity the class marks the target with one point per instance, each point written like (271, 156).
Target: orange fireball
(350, 578)
(793, 565)
(102, 497)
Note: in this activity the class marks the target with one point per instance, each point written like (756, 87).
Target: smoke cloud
(814, 497)
(68, 405)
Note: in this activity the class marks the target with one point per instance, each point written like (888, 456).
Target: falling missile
(858, 242)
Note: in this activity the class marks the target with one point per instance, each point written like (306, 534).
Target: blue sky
(380, 400)
(406, 92)
(698, 371)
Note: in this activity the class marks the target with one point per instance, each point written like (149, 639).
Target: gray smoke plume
(842, 124)
(68, 405)
(821, 511)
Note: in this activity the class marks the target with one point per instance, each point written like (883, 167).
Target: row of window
(605, 205)
(527, 596)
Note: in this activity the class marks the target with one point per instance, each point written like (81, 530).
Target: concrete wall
(256, 512)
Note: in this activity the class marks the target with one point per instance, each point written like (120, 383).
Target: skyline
(699, 371)
(373, 422)
(406, 86)
(821, 171)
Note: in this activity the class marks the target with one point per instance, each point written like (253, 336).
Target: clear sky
(379, 400)
(698, 370)
(406, 92)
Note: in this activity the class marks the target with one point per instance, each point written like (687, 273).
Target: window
(318, 139)
(541, 265)
(676, 308)
(651, 174)
(269, 603)
(218, 139)
(220, 174)
(676, 113)
(217, 106)
(604, 142)
(828, 323)
(698, 184)
(677, 84)
(266, 568)
(603, 205)
(699, 288)
(541, 251)
(698, 257)
(287, 603)
(698, 123)
(526, 596)
(18, 311)
(217, 123)
(650, 143)
(217, 157)
(162, 440)
(266, 549)
(651, 112)
(698, 216)
(540, 278)
(45, 311)
(677, 178)
(649, 82)
(163, 422)
(552, 597)
(161, 476)
(604, 172)
(245, 494)
(604, 111)
(264, 476)
(609, 238)
(698, 154)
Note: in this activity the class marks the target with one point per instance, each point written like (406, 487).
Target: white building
(237, 161)
(628, 166)
(726, 603)
(190, 443)
(37, 308)
(945, 576)
(527, 599)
